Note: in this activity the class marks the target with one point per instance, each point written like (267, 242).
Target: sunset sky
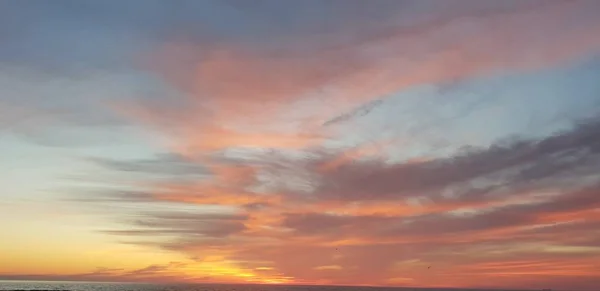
(355, 142)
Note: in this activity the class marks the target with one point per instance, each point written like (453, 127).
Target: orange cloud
(341, 216)
(296, 234)
(246, 87)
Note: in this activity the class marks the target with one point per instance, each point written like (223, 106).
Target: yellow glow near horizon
(62, 245)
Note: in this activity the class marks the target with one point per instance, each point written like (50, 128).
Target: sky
(400, 143)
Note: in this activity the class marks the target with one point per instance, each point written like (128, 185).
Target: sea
(93, 286)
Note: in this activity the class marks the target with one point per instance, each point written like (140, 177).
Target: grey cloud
(184, 224)
(564, 162)
(356, 113)
(509, 164)
(154, 273)
(578, 233)
(256, 206)
(62, 111)
(325, 224)
(377, 227)
(577, 226)
(440, 224)
(169, 165)
(111, 195)
(68, 36)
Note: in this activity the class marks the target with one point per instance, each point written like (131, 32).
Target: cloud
(258, 97)
(570, 155)
(307, 76)
(170, 272)
(224, 76)
(263, 180)
(440, 225)
(367, 214)
(40, 35)
(361, 111)
(177, 225)
(164, 165)
(65, 111)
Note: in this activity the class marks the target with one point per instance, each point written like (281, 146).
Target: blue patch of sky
(436, 120)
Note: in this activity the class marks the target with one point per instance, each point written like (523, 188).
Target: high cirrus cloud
(239, 81)
(279, 96)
